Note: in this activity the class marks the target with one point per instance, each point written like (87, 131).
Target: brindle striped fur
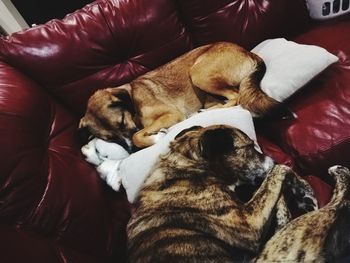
(318, 236)
(186, 211)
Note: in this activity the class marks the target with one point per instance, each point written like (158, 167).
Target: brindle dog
(186, 211)
(178, 89)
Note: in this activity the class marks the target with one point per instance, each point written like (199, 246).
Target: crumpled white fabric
(132, 170)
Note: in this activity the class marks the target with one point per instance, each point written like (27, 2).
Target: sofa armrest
(20, 101)
(46, 186)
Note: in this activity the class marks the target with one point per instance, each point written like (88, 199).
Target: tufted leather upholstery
(243, 22)
(320, 136)
(53, 206)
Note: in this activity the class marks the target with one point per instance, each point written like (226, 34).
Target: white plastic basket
(325, 9)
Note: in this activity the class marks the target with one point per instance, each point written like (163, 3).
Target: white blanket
(132, 170)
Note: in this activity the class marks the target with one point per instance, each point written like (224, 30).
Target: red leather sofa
(53, 205)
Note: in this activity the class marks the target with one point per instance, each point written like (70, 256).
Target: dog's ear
(214, 143)
(193, 128)
(123, 100)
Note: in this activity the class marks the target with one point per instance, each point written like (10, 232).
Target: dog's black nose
(284, 113)
(83, 135)
(281, 112)
(258, 181)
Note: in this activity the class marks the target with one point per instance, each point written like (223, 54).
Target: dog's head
(227, 151)
(110, 116)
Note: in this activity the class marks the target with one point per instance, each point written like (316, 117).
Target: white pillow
(289, 66)
(132, 170)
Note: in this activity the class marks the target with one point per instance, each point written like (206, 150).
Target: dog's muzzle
(84, 135)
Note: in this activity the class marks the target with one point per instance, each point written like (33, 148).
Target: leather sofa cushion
(320, 136)
(26, 246)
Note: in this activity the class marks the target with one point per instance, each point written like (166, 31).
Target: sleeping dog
(167, 95)
(186, 212)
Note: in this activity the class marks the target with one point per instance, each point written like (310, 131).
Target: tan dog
(176, 90)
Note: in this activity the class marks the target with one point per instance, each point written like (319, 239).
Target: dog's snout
(282, 112)
(124, 142)
(258, 180)
(84, 135)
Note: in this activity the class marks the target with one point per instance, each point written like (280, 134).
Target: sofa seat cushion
(45, 184)
(320, 136)
(37, 248)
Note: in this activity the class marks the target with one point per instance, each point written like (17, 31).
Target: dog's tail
(252, 98)
(341, 175)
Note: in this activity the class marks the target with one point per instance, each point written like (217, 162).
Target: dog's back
(175, 223)
(171, 85)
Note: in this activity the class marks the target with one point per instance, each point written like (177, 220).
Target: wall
(41, 11)
(10, 20)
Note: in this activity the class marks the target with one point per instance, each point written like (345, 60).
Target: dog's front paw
(282, 171)
(303, 193)
(338, 170)
(158, 136)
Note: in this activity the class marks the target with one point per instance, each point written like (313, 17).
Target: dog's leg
(145, 137)
(257, 212)
(216, 86)
(227, 71)
(303, 239)
(211, 76)
(260, 207)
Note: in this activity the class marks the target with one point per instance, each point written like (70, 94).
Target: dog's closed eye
(116, 104)
(122, 121)
(123, 100)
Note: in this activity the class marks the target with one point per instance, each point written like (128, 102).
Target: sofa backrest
(110, 42)
(244, 22)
